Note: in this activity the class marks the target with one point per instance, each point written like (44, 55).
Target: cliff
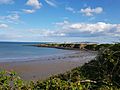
(81, 46)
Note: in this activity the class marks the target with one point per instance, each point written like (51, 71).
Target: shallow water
(10, 51)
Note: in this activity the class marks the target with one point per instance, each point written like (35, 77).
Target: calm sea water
(19, 51)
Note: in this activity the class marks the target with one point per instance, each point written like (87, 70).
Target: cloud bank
(68, 29)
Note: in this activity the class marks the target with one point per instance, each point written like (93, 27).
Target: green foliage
(96, 47)
(92, 47)
(106, 68)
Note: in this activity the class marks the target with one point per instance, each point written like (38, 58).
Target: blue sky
(60, 20)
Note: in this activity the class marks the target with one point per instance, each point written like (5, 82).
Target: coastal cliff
(81, 46)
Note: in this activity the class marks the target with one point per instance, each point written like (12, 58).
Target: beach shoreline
(43, 69)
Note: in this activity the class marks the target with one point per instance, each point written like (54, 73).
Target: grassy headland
(81, 46)
(102, 73)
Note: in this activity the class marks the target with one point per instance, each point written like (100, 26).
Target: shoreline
(38, 58)
(43, 69)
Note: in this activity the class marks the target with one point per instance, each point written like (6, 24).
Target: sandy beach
(42, 69)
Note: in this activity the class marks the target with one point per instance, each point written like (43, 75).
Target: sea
(22, 51)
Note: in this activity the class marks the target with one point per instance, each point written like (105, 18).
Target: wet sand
(42, 69)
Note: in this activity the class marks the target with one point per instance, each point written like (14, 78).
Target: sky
(60, 20)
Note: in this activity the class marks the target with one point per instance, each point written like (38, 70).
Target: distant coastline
(73, 46)
(64, 46)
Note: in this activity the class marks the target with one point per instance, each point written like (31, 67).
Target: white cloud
(3, 26)
(11, 18)
(6, 1)
(91, 11)
(29, 11)
(34, 3)
(62, 23)
(50, 2)
(70, 9)
(92, 28)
